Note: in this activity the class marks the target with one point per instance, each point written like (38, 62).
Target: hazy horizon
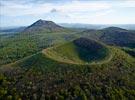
(24, 13)
(63, 23)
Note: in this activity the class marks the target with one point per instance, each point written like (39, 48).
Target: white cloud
(83, 6)
(18, 9)
(98, 14)
(12, 9)
(127, 3)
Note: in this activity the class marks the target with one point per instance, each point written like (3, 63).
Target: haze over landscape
(67, 50)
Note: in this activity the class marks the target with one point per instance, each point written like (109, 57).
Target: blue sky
(25, 12)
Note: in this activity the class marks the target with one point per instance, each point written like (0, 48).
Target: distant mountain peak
(43, 26)
(41, 22)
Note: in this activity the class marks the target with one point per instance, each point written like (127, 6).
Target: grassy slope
(41, 60)
(18, 46)
(69, 52)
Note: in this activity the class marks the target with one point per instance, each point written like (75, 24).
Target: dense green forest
(39, 77)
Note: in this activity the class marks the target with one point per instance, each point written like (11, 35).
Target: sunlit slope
(79, 51)
(76, 53)
(42, 62)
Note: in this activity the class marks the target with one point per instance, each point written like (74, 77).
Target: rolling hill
(112, 36)
(81, 50)
(12, 30)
